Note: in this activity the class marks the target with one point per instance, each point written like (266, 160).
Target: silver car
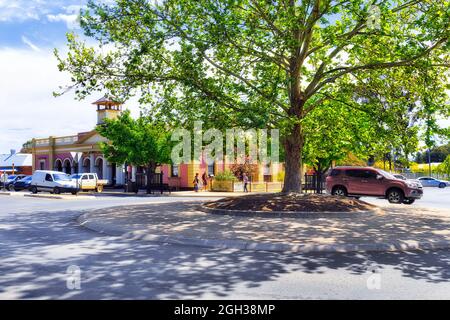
(432, 182)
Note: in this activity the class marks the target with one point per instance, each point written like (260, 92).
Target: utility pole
(429, 161)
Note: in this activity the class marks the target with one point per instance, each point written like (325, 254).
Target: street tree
(336, 130)
(139, 142)
(258, 63)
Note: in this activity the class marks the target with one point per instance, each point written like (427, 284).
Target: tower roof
(106, 102)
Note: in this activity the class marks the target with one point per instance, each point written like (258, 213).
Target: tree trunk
(293, 145)
(151, 167)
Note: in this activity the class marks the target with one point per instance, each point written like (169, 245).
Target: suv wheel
(339, 191)
(441, 185)
(395, 196)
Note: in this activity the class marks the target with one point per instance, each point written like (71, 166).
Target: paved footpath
(397, 228)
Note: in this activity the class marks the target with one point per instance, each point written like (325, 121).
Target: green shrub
(225, 176)
(280, 176)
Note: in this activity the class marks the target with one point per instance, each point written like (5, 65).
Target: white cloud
(27, 106)
(71, 20)
(30, 44)
(21, 10)
(71, 17)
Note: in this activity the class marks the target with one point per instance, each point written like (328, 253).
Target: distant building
(79, 153)
(17, 163)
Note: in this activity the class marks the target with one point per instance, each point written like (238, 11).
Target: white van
(52, 181)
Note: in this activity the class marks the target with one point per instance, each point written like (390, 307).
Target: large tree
(257, 63)
(140, 142)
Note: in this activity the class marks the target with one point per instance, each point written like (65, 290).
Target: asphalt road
(432, 198)
(40, 240)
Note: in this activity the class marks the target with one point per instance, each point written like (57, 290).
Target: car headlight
(412, 184)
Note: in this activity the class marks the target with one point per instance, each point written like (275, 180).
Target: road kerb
(289, 214)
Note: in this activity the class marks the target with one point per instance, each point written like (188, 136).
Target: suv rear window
(355, 173)
(335, 172)
(361, 173)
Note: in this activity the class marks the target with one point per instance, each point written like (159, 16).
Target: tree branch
(374, 66)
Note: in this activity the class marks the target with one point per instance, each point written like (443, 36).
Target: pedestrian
(245, 180)
(196, 182)
(205, 181)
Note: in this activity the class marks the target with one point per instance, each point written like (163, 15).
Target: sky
(29, 31)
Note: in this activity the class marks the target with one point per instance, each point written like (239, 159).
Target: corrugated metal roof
(19, 160)
(104, 100)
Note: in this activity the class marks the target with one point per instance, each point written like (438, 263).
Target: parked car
(53, 182)
(432, 182)
(372, 182)
(89, 181)
(402, 177)
(22, 184)
(9, 184)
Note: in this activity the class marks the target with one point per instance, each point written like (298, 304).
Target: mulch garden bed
(291, 202)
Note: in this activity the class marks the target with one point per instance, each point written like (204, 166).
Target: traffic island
(182, 223)
(293, 205)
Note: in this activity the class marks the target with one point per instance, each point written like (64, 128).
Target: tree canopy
(258, 63)
(139, 142)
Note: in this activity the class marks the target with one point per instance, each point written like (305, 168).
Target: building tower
(107, 109)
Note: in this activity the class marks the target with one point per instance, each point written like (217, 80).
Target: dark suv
(371, 182)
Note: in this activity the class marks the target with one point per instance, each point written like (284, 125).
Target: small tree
(141, 142)
(444, 167)
(248, 168)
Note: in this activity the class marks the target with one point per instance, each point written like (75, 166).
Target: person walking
(205, 181)
(245, 180)
(196, 182)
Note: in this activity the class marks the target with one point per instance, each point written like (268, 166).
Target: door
(433, 182)
(92, 182)
(47, 184)
(427, 182)
(84, 181)
(352, 180)
(370, 185)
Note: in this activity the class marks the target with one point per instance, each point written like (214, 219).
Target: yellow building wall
(193, 168)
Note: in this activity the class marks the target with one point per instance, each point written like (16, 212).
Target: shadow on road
(37, 248)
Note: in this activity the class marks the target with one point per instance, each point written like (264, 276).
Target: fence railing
(415, 175)
(314, 183)
(141, 180)
(311, 183)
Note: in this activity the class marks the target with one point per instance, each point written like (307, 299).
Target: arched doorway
(99, 167)
(86, 165)
(67, 166)
(58, 165)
